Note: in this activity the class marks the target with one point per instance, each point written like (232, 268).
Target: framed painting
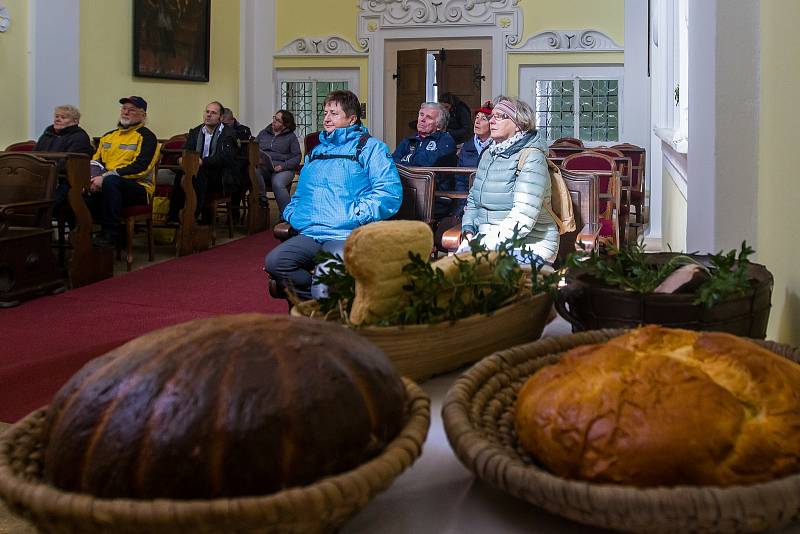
(172, 39)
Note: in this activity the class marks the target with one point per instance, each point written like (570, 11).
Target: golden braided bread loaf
(661, 406)
(375, 255)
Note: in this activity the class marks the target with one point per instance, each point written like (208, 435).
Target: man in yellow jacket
(122, 169)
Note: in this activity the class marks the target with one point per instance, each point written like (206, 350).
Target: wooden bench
(192, 237)
(27, 264)
(257, 217)
(86, 264)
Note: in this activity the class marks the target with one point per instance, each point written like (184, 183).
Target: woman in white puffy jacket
(503, 196)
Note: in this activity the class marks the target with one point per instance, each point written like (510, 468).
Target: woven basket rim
(45, 500)
(473, 448)
(524, 300)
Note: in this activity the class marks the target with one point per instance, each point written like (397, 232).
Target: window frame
(530, 74)
(315, 76)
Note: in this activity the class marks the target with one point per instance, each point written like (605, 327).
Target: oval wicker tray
(478, 414)
(319, 507)
(422, 351)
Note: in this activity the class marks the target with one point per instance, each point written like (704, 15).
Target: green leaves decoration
(630, 268)
(728, 277)
(489, 281)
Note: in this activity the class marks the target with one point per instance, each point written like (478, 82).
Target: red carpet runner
(44, 341)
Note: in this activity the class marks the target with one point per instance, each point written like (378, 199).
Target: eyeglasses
(498, 116)
(125, 109)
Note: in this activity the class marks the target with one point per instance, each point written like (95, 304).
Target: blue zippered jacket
(437, 149)
(335, 196)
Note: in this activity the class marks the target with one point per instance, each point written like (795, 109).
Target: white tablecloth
(438, 495)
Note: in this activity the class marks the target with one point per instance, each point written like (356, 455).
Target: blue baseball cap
(137, 101)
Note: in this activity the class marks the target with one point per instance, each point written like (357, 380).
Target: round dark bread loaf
(661, 406)
(227, 406)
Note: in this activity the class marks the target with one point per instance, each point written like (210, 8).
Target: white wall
(257, 46)
(723, 119)
(54, 72)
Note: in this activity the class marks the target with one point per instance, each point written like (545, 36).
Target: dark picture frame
(172, 39)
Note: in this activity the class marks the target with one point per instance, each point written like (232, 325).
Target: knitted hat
(486, 108)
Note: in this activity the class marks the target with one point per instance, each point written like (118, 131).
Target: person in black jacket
(64, 135)
(216, 145)
(459, 124)
(242, 134)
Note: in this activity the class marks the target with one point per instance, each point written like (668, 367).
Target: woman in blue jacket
(347, 181)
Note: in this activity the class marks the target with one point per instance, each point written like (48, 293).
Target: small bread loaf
(661, 406)
(449, 266)
(375, 255)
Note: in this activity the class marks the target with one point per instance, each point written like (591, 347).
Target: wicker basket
(422, 351)
(319, 507)
(590, 305)
(478, 415)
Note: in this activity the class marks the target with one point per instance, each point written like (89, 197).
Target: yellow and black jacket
(130, 153)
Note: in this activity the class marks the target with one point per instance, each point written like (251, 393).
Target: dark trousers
(280, 183)
(204, 183)
(117, 192)
(62, 212)
(290, 264)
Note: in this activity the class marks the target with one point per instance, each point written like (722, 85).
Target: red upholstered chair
(217, 202)
(143, 213)
(23, 146)
(309, 142)
(171, 151)
(623, 166)
(638, 157)
(568, 141)
(609, 186)
(131, 216)
(562, 150)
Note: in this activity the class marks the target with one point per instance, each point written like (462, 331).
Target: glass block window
(584, 108)
(305, 100)
(555, 112)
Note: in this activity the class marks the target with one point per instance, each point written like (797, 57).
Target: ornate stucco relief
(319, 46)
(376, 15)
(569, 41)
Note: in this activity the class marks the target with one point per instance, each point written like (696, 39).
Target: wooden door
(460, 72)
(410, 90)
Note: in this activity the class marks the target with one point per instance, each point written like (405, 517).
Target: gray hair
(444, 115)
(525, 117)
(69, 110)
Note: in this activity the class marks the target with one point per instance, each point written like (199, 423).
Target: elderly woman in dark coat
(64, 135)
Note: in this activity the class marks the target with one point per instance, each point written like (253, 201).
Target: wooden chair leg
(129, 224)
(229, 212)
(213, 223)
(150, 239)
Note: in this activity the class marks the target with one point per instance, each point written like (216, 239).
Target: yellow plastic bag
(162, 236)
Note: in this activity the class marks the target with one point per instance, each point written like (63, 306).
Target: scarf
(481, 146)
(499, 148)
